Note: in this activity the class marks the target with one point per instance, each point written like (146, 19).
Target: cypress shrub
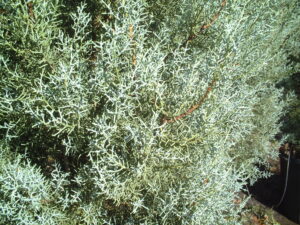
(136, 111)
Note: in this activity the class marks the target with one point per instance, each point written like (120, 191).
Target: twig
(131, 36)
(205, 26)
(190, 38)
(30, 10)
(213, 20)
(192, 109)
(3, 11)
(201, 30)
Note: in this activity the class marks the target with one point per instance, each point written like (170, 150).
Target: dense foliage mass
(136, 111)
(291, 121)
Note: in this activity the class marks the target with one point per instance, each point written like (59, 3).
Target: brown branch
(30, 10)
(213, 20)
(131, 36)
(206, 26)
(193, 108)
(3, 11)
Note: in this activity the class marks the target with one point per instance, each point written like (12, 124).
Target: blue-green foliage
(138, 112)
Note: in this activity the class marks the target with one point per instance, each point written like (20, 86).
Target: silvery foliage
(82, 137)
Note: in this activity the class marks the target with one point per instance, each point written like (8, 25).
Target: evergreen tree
(138, 111)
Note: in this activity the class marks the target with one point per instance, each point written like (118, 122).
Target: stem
(206, 26)
(30, 10)
(131, 36)
(191, 109)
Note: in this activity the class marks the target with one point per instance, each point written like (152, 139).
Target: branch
(192, 109)
(131, 36)
(213, 20)
(30, 10)
(202, 28)
(3, 11)
(205, 26)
